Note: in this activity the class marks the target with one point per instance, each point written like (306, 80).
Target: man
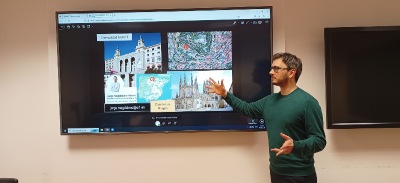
(115, 85)
(293, 118)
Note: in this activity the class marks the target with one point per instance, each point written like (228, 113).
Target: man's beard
(281, 82)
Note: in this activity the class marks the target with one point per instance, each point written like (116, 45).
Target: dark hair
(292, 61)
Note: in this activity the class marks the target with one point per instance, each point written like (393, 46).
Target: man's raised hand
(214, 87)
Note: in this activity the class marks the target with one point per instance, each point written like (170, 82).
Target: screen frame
(156, 10)
(331, 122)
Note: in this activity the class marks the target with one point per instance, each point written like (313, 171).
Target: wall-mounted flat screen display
(147, 70)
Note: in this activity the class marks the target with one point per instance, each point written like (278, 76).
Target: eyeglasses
(276, 68)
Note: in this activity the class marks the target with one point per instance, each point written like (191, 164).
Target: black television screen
(146, 70)
(363, 82)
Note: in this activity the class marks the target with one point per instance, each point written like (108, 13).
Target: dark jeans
(275, 178)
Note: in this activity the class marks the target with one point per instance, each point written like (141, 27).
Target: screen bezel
(332, 122)
(155, 10)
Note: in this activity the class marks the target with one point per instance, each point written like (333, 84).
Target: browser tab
(100, 15)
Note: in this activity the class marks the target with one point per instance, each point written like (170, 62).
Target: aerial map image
(200, 50)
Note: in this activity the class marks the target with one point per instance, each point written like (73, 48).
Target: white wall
(359, 155)
(33, 151)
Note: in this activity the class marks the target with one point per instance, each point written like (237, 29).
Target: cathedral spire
(184, 79)
(191, 79)
(205, 89)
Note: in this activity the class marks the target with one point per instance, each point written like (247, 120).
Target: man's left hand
(287, 146)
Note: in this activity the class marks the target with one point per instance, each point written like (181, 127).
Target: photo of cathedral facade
(143, 59)
(189, 97)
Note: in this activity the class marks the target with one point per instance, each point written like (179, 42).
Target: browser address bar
(119, 20)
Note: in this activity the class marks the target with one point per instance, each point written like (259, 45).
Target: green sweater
(297, 115)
